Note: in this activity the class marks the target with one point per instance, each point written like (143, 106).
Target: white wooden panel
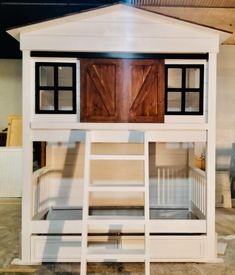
(58, 135)
(117, 136)
(52, 117)
(55, 248)
(56, 227)
(118, 44)
(177, 136)
(176, 248)
(178, 226)
(210, 161)
(184, 119)
(52, 125)
(10, 172)
(110, 28)
(100, 225)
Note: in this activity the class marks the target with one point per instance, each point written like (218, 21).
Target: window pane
(174, 102)
(174, 78)
(192, 101)
(192, 78)
(66, 100)
(46, 76)
(65, 75)
(47, 100)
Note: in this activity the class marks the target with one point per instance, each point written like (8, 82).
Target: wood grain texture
(147, 91)
(122, 90)
(99, 90)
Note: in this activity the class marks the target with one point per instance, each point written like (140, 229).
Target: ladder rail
(85, 209)
(86, 222)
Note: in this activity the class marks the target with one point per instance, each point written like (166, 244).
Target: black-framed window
(55, 88)
(184, 89)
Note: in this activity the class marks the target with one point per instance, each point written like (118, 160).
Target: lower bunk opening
(177, 187)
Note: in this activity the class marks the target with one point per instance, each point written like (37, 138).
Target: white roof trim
(16, 32)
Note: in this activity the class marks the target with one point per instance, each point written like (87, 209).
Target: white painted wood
(85, 209)
(55, 248)
(56, 227)
(177, 136)
(117, 256)
(119, 188)
(10, 172)
(115, 44)
(58, 135)
(117, 135)
(198, 192)
(177, 226)
(170, 187)
(52, 125)
(125, 225)
(27, 161)
(146, 205)
(177, 248)
(116, 157)
(210, 162)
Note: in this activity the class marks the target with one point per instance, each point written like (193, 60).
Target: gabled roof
(104, 10)
(119, 28)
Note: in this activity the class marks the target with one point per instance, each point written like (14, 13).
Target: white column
(27, 160)
(211, 145)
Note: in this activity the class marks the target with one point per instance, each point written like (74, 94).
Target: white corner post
(27, 160)
(211, 248)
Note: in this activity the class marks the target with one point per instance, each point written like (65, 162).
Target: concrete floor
(9, 249)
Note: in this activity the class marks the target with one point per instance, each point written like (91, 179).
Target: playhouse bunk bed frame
(61, 222)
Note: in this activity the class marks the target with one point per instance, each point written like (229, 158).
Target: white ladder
(87, 222)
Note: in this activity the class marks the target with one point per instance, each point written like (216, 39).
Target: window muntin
(55, 88)
(184, 89)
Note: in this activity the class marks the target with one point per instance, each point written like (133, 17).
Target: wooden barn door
(122, 90)
(146, 91)
(99, 90)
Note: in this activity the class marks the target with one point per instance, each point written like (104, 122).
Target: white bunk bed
(173, 228)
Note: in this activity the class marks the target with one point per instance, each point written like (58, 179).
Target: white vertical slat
(168, 185)
(190, 192)
(163, 186)
(173, 185)
(158, 186)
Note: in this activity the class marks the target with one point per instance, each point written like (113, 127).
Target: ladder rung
(102, 225)
(116, 188)
(113, 136)
(117, 157)
(114, 255)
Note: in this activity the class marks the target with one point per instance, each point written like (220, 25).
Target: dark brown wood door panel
(99, 90)
(122, 90)
(146, 91)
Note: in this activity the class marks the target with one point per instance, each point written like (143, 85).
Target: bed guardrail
(197, 192)
(170, 187)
